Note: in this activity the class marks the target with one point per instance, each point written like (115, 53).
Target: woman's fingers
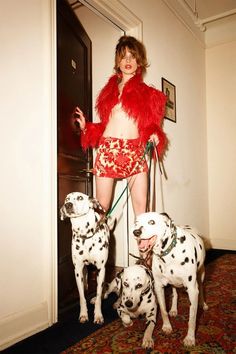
(80, 117)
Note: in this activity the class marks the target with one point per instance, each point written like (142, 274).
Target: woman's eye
(151, 222)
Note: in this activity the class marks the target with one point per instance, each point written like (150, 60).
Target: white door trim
(119, 15)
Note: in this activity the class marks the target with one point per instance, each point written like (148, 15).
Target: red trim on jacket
(142, 102)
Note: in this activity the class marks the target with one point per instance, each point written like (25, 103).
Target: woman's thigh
(104, 191)
(138, 185)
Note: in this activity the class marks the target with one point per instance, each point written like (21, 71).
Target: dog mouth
(69, 211)
(146, 244)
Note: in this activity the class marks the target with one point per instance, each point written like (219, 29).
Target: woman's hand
(80, 118)
(154, 139)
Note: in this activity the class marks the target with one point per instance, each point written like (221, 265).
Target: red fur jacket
(143, 103)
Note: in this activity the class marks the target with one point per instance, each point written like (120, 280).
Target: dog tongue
(144, 243)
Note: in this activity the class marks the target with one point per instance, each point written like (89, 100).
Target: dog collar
(171, 246)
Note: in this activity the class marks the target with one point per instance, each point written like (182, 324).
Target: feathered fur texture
(143, 103)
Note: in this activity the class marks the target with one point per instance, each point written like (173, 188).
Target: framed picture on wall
(169, 90)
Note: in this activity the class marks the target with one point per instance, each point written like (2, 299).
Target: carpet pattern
(216, 328)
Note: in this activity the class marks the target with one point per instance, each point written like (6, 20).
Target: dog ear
(63, 215)
(165, 214)
(168, 221)
(119, 279)
(97, 206)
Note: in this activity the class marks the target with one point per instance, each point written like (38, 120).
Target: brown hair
(135, 47)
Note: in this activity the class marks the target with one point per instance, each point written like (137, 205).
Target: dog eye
(80, 197)
(126, 284)
(138, 286)
(151, 222)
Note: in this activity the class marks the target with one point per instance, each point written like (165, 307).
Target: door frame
(117, 15)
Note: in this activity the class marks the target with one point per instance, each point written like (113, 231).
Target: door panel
(73, 88)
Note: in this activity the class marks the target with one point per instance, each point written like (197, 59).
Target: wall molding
(223, 244)
(176, 7)
(21, 325)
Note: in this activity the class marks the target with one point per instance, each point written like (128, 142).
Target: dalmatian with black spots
(90, 243)
(134, 286)
(178, 259)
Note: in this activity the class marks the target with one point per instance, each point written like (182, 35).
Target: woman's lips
(128, 66)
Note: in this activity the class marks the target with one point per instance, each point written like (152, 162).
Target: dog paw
(83, 318)
(167, 329)
(92, 301)
(173, 313)
(148, 343)
(98, 319)
(128, 324)
(189, 341)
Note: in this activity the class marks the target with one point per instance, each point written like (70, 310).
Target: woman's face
(128, 64)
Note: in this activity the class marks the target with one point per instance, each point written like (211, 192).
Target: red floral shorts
(119, 158)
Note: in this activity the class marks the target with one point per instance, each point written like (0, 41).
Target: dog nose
(69, 205)
(128, 303)
(138, 232)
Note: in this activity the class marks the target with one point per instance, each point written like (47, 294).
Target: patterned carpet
(216, 328)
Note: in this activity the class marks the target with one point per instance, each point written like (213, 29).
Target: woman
(130, 114)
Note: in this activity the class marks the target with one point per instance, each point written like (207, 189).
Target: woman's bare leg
(104, 190)
(138, 185)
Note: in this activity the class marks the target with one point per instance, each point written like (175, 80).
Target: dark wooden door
(73, 88)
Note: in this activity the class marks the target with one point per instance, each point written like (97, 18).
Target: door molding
(118, 15)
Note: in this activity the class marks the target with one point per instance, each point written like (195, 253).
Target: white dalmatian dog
(178, 259)
(90, 243)
(136, 297)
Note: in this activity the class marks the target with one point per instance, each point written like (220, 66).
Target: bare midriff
(121, 125)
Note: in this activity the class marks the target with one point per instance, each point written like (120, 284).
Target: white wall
(26, 253)
(221, 128)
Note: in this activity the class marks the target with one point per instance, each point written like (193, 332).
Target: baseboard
(19, 326)
(223, 244)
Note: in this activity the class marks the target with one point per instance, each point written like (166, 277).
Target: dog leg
(125, 318)
(147, 338)
(200, 279)
(83, 317)
(98, 317)
(174, 311)
(160, 292)
(150, 325)
(189, 340)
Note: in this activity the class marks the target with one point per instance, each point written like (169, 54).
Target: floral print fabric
(119, 158)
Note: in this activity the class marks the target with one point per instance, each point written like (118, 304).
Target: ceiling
(208, 8)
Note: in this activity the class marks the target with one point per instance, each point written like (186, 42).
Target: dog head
(136, 281)
(149, 228)
(77, 204)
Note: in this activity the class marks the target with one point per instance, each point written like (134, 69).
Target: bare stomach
(122, 128)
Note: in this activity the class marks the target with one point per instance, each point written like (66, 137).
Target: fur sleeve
(92, 135)
(157, 106)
